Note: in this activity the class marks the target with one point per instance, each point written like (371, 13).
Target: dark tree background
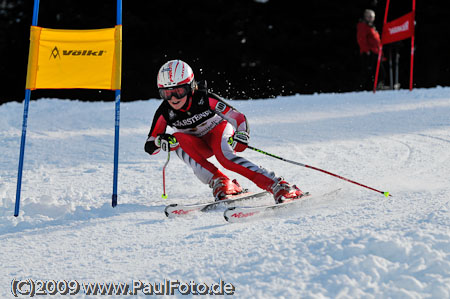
(243, 48)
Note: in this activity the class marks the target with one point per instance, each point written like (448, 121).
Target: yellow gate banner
(75, 58)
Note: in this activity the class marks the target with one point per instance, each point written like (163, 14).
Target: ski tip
(169, 206)
(225, 213)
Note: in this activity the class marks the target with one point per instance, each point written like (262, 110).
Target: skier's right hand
(166, 142)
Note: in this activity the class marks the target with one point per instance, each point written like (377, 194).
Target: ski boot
(283, 192)
(223, 186)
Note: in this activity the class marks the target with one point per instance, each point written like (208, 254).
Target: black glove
(239, 141)
(166, 142)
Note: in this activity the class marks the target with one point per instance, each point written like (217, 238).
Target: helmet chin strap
(188, 104)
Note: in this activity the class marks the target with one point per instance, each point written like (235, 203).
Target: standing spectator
(369, 45)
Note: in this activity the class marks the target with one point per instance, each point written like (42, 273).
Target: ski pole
(385, 193)
(164, 195)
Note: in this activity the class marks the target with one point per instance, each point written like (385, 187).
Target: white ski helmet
(174, 73)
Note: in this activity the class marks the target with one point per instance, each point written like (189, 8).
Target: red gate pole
(412, 46)
(380, 51)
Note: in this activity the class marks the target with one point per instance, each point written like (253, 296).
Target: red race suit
(202, 127)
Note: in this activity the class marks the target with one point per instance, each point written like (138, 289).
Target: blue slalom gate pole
(116, 150)
(22, 150)
(24, 125)
(119, 12)
(117, 123)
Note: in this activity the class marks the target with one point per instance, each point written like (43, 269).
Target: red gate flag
(399, 29)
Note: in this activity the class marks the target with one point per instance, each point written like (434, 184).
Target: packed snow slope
(357, 244)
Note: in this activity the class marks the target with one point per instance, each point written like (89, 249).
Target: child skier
(204, 125)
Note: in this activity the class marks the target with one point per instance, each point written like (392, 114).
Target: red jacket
(202, 112)
(368, 38)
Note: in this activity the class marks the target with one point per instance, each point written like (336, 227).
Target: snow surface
(358, 244)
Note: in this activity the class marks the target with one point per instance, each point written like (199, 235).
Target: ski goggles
(177, 92)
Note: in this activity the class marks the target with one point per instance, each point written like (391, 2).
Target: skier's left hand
(239, 141)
